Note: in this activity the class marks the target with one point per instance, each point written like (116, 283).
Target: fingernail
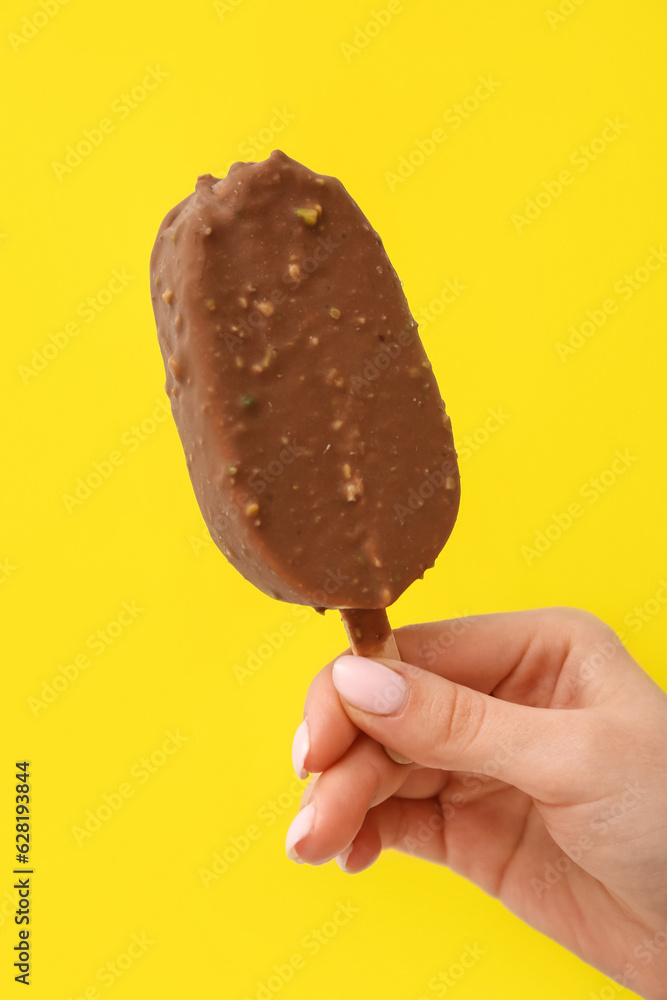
(341, 859)
(369, 685)
(300, 747)
(300, 827)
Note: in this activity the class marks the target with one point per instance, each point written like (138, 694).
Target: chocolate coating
(315, 436)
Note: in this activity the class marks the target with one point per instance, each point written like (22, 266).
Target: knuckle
(456, 723)
(578, 622)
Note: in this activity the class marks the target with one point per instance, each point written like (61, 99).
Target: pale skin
(540, 774)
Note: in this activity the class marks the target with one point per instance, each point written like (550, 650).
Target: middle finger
(334, 805)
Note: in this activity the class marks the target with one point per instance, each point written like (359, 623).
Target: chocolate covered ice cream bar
(315, 436)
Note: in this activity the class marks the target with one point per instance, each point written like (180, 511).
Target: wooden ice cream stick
(370, 635)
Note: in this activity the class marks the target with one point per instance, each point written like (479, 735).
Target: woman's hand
(540, 774)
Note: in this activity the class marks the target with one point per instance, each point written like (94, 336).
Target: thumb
(440, 724)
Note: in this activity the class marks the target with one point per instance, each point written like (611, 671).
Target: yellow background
(356, 101)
